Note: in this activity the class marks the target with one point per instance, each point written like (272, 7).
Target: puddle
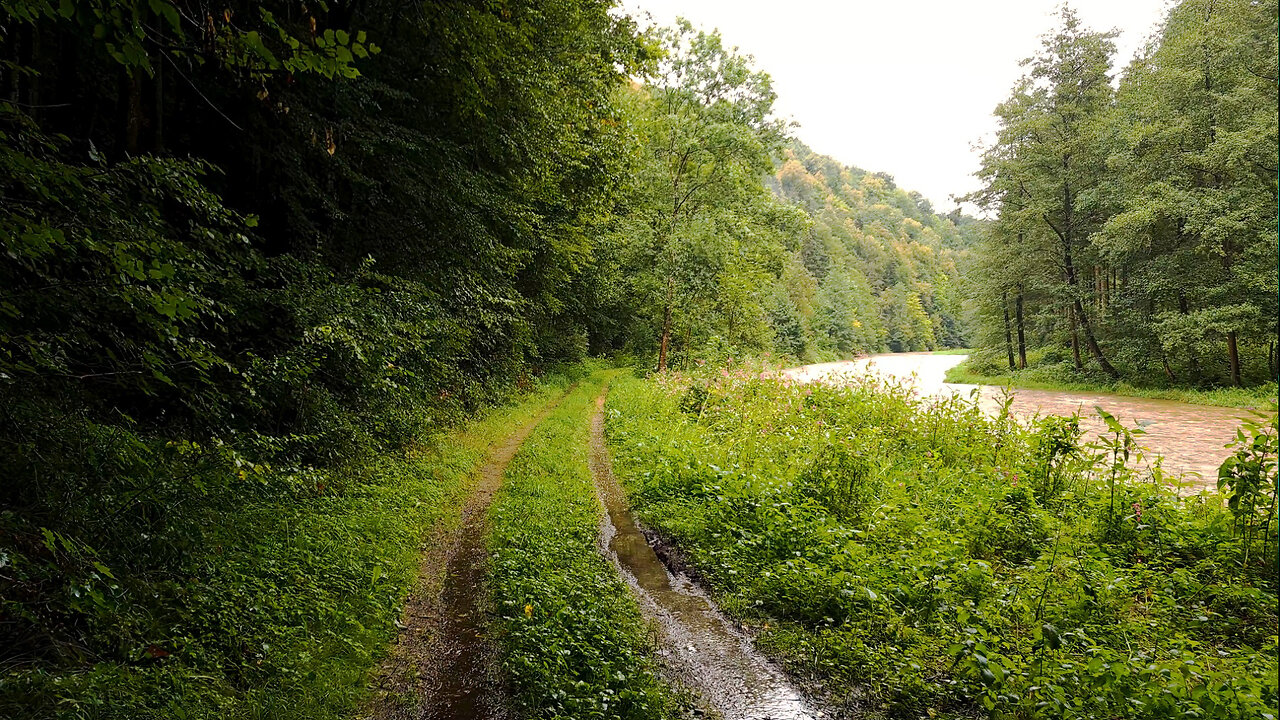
(698, 642)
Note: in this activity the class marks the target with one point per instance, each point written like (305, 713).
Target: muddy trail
(442, 666)
(700, 647)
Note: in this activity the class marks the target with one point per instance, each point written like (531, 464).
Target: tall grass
(283, 609)
(923, 559)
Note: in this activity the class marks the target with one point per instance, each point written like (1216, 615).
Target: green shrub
(923, 559)
(1013, 530)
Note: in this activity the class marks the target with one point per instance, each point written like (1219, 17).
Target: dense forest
(248, 250)
(1134, 231)
(878, 269)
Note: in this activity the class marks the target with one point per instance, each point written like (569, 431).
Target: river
(1191, 438)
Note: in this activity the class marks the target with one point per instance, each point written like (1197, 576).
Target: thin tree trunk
(158, 115)
(1168, 371)
(1075, 338)
(1008, 333)
(133, 121)
(1022, 337)
(1233, 356)
(1094, 349)
(666, 325)
(1072, 283)
(1193, 359)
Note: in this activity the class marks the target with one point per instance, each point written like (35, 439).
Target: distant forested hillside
(878, 269)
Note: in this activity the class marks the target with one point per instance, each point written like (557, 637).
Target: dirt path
(702, 649)
(442, 667)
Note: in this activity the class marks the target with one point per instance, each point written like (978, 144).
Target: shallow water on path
(1191, 438)
(699, 643)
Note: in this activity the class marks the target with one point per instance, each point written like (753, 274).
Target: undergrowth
(573, 642)
(267, 597)
(923, 559)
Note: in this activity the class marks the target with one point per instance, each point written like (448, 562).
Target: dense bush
(250, 256)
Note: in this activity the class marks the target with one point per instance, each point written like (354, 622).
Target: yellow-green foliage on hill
(878, 269)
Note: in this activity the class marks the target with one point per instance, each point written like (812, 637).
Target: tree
(706, 126)
(1197, 160)
(1046, 170)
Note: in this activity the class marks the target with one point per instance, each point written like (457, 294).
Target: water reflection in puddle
(698, 642)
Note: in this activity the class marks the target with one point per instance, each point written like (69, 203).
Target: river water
(1191, 438)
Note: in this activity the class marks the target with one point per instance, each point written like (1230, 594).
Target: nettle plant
(1249, 479)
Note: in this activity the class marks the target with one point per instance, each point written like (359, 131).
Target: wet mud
(1190, 438)
(699, 645)
(442, 666)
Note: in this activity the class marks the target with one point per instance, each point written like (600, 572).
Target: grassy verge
(1260, 396)
(573, 642)
(942, 563)
(953, 351)
(283, 610)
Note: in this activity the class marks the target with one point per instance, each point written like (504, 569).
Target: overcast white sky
(907, 86)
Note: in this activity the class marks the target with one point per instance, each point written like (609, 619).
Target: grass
(953, 351)
(933, 561)
(1258, 397)
(573, 642)
(286, 606)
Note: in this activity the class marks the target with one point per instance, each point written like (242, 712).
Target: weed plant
(573, 642)
(921, 558)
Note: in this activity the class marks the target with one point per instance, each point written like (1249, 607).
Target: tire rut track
(700, 647)
(443, 667)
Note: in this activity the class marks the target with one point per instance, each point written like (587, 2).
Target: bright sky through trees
(901, 87)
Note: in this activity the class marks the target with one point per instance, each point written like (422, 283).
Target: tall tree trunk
(1072, 284)
(1106, 289)
(666, 325)
(1075, 337)
(1008, 333)
(133, 121)
(1193, 359)
(1094, 349)
(1233, 356)
(1022, 337)
(158, 114)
